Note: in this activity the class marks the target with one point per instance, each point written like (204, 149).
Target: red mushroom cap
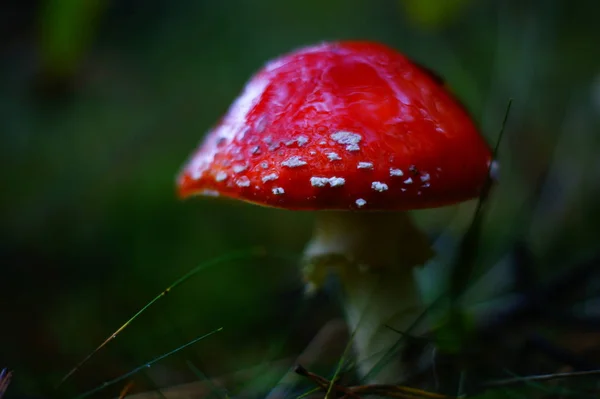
(344, 125)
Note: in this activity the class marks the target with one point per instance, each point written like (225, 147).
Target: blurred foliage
(66, 28)
(433, 14)
(102, 101)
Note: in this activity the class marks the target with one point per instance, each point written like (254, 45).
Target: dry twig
(383, 390)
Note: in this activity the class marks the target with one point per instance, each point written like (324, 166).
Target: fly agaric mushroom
(359, 133)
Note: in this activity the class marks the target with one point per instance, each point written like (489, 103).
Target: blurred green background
(102, 102)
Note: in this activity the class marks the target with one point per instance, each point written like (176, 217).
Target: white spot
(337, 181)
(278, 191)
(274, 146)
(239, 168)
(255, 150)
(396, 172)
(312, 152)
(322, 142)
(210, 193)
(350, 140)
(260, 124)
(403, 189)
(323, 181)
(243, 181)
(264, 164)
(379, 186)
(319, 181)
(221, 141)
(270, 177)
(301, 140)
(196, 174)
(293, 162)
(408, 181)
(425, 177)
(360, 202)
(365, 165)
(221, 176)
(425, 185)
(333, 156)
(243, 132)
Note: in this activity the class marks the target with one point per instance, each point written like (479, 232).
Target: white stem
(374, 255)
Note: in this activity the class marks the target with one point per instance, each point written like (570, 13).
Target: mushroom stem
(374, 255)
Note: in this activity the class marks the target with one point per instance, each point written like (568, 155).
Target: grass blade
(234, 256)
(146, 365)
(465, 261)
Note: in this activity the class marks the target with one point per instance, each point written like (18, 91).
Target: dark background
(102, 101)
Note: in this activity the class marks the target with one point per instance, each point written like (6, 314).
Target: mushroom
(360, 134)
